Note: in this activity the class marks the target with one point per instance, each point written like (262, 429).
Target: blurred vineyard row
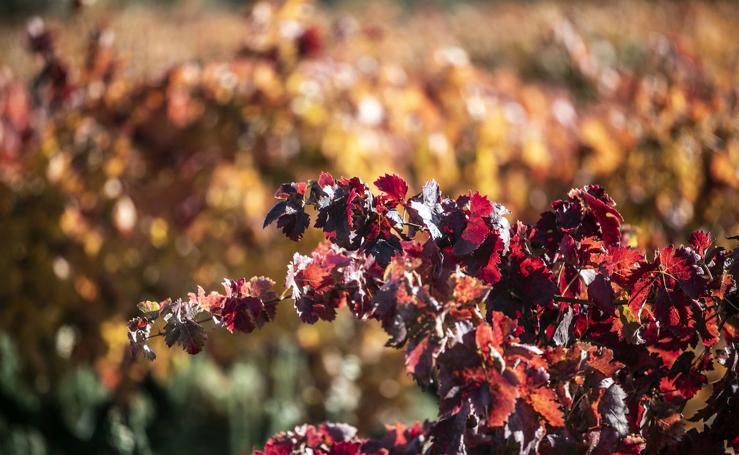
(118, 185)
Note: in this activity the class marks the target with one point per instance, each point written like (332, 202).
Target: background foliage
(136, 159)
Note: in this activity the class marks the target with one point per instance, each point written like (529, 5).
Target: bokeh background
(141, 142)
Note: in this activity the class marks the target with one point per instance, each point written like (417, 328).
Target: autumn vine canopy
(141, 144)
(556, 337)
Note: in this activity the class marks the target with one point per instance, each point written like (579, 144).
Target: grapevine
(556, 336)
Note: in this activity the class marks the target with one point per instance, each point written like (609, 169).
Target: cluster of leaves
(212, 140)
(535, 338)
(342, 439)
(245, 306)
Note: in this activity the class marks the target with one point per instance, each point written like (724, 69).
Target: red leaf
(242, 313)
(603, 362)
(600, 293)
(503, 394)
(477, 228)
(392, 185)
(418, 361)
(700, 241)
(468, 289)
(622, 262)
(607, 216)
(683, 386)
(491, 272)
(488, 338)
(680, 265)
(243, 308)
(315, 276)
(472, 237)
(544, 401)
(346, 448)
(480, 206)
(325, 179)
